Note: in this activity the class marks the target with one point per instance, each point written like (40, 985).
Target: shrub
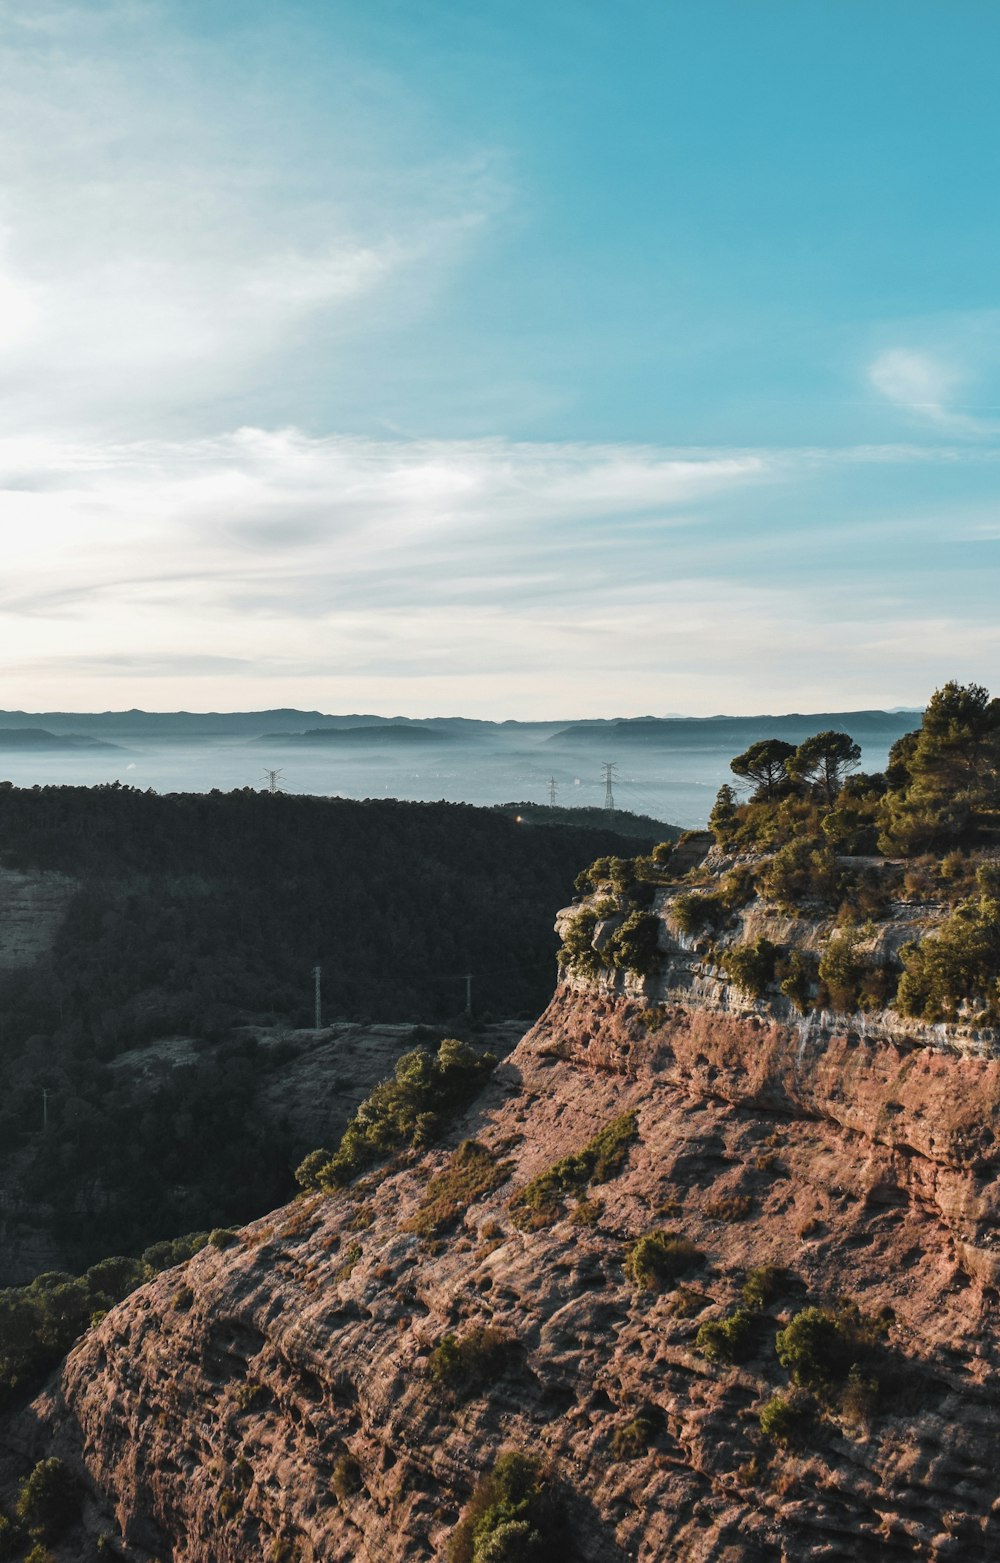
(728, 1339)
(283, 1551)
(820, 1346)
(797, 974)
(686, 1303)
(785, 1419)
(182, 1298)
(842, 969)
(631, 1441)
(751, 966)
(859, 1397)
(802, 870)
(657, 1259)
(691, 914)
(762, 1285)
(513, 1516)
(222, 1237)
(461, 1366)
(634, 944)
(345, 1478)
(309, 1168)
(959, 963)
(410, 1109)
(724, 818)
(577, 951)
(472, 1171)
(49, 1500)
(729, 1207)
(542, 1201)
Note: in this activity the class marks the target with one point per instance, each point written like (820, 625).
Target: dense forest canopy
(192, 913)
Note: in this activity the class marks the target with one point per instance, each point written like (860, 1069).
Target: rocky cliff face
(274, 1400)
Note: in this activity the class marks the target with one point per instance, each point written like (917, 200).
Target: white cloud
(925, 383)
(494, 577)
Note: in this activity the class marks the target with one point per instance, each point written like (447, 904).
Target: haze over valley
(666, 767)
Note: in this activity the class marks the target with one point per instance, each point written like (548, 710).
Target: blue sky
(514, 360)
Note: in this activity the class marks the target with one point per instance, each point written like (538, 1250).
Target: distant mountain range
(40, 738)
(77, 729)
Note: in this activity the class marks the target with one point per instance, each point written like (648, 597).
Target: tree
(945, 780)
(723, 819)
(765, 763)
(825, 760)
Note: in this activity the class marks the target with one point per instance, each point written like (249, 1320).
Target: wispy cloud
(933, 383)
(170, 240)
(475, 574)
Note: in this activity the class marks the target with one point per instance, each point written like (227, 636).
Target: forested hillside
(194, 913)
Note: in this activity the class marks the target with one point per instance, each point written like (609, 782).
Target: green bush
(631, 1441)
(762, 1285)
(49, 1500)
(728, 1339)
(842, 968)
(345, 1478)
(513, 1516)
(542, 1201)
(797, 974)
(411, 1109)
(785, 1419)
(634, 945)
(577, 951)
(820, 1346)
(801, 872)
(959, 962)
(462, 1365)
(751, 966)
(656, 1260)
(692, 913)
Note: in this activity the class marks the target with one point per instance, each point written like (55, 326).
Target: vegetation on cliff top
(815, 838)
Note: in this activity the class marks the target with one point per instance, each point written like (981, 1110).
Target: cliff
(284, 1397)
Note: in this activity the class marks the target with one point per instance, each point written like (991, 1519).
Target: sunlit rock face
(273, 1398)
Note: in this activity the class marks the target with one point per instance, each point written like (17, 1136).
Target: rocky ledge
(283, 1397)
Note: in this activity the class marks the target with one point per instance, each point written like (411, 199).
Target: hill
(127, 919)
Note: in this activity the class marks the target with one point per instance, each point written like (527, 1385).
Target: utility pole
(552, 790)
(468, 993)
(318, 1007)
(609, 769)
(45, 1111)
(273, 777)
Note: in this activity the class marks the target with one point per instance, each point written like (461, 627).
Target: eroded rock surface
(208, 1413)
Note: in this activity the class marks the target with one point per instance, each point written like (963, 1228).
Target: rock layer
(219, 1412)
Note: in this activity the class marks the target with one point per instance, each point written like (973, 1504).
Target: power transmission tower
(552, 790)
(468, 993)
(45, 1111)
(609, 769)
(317, 996)
(272, 781)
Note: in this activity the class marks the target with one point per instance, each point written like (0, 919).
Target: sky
(518, 360)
